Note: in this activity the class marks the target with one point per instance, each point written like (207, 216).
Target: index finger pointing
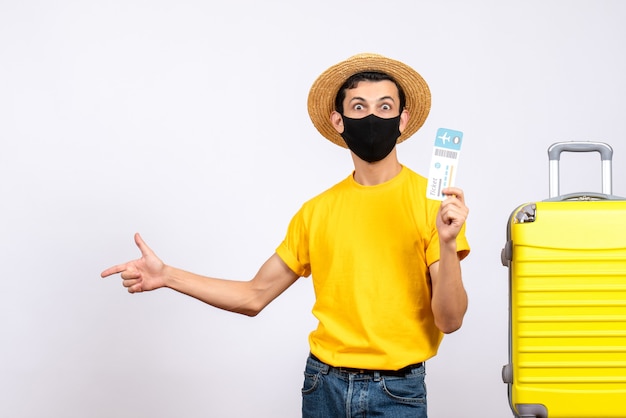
(113, 270)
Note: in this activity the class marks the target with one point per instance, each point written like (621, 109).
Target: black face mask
(371, 138)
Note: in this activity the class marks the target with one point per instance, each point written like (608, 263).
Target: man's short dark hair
(353, 80)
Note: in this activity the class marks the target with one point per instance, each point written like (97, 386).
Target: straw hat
(321, 102)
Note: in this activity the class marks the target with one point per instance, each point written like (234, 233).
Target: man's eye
(358, 107)
(386, 107)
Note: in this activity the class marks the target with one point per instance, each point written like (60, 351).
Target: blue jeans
(329, 392)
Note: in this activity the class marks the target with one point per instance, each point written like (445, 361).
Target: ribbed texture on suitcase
(568, 309)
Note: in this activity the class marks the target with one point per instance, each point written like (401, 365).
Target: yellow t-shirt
(368, 249)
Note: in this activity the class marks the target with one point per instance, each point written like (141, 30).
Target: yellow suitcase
(566, 257)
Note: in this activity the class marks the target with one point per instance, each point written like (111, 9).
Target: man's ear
(337, 121)
(404, 119)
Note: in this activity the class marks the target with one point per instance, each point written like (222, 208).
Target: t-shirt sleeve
(462, 245)
(294, 249)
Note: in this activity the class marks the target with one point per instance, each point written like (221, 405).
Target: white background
(186, 121)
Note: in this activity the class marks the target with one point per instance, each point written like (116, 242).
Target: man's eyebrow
(386, 98)
(357, 98)
(361, 99)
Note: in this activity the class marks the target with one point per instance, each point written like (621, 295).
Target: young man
(385, 261)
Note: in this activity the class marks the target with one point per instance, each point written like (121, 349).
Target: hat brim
(321, 100)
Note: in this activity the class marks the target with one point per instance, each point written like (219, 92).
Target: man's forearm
(229, 295)
(244, 297)
(449, 300)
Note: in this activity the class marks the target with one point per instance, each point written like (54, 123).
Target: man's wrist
(169, 276)
(448, 246)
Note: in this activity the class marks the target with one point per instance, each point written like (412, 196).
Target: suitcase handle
(606, 154)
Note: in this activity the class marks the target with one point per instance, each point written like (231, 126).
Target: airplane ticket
(444, 162)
